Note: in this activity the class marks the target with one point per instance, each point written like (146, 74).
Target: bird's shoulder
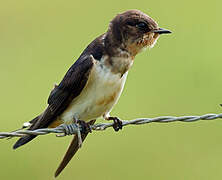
(76, 77)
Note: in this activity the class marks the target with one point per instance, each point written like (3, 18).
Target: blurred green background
(39, 40)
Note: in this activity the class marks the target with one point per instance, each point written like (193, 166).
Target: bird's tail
(23, 140)
(73, 148)
(26, 138)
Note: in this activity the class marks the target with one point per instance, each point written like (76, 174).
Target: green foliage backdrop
(181, 75)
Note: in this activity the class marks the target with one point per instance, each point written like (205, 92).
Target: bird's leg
(85, 127)
(117, 123)
(76, 121)
(78, 127)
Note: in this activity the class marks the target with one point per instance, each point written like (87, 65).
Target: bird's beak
(162, 31)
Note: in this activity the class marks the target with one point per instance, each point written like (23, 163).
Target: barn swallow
(94, 83)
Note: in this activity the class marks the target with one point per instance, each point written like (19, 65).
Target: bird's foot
(78, 127)
(117, 123)
(78, 132)
(85, 127)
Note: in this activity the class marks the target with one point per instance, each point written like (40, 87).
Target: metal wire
(62, 130)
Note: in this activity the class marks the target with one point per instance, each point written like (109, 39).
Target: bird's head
(135, 31)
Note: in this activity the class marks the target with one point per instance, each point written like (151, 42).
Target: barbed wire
(62, 129)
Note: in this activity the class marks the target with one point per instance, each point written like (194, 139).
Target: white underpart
(102, 85)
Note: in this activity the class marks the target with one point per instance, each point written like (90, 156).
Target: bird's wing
(62, 95)
(70, 87)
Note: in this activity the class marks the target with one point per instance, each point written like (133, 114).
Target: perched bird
(94, 83)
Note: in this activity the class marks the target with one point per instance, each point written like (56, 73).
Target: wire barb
(62, 130)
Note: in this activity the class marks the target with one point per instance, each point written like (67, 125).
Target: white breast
(101, 92)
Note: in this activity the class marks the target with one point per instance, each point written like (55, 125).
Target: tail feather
(73, 148)
(26, 138)
(23, 140)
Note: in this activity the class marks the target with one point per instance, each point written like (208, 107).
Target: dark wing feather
(61, 96)
(71, 85)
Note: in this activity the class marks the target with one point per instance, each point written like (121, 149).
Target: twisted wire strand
(62, 129)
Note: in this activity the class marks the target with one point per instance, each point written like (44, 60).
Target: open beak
(162, 31)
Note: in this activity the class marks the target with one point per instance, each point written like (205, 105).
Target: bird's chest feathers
(108, 80)
(106, 85)
(101, 92)
(119, 65)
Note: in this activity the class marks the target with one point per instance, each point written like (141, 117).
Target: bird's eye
(142, 26)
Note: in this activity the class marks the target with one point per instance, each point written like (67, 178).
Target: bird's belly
(98, 96)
